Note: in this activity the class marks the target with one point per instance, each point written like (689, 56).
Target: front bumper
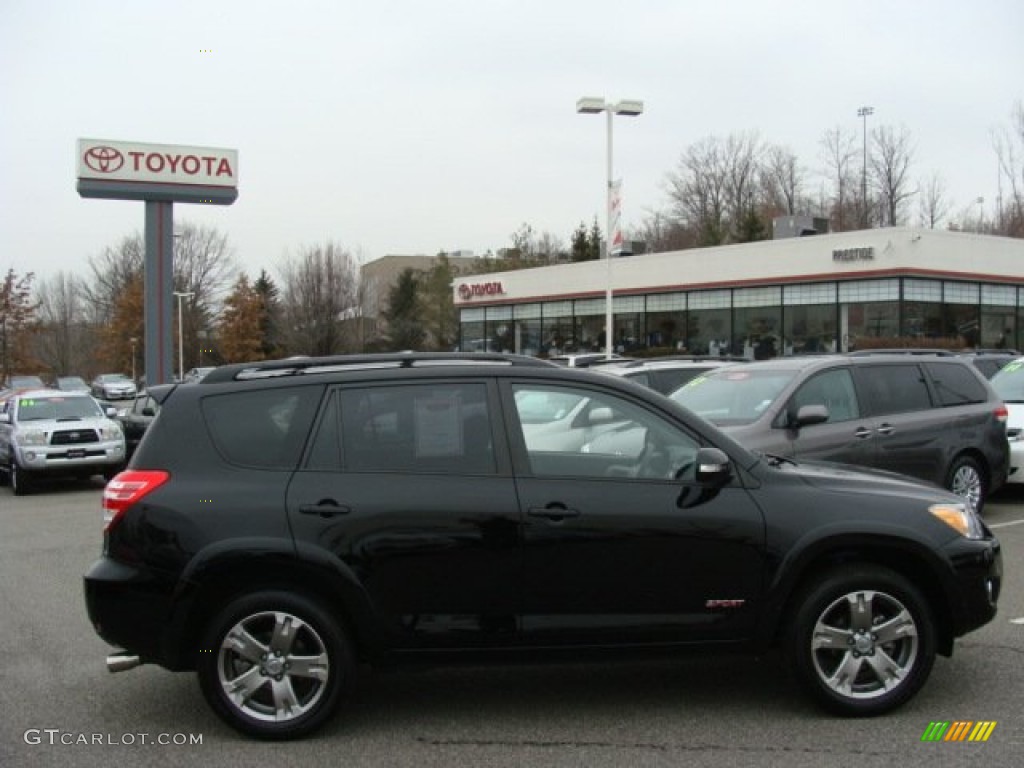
(70, 459)
(977, 582)
(1016, 473)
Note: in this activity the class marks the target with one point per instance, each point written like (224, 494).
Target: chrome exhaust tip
(122, 662)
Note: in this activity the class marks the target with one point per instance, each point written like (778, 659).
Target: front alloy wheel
(19, 482)
(275, 665)
(863, 641)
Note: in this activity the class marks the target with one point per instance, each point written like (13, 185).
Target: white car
(1009, 385)
(113, 386)
(49, 432)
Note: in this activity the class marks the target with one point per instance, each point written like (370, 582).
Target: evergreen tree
(404, 313)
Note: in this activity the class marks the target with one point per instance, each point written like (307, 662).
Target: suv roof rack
(902, 351)
(303, 366)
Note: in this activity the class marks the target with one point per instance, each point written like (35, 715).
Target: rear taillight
(1002, 413)
(128, 488)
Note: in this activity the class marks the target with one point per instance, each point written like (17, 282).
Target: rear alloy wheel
(862, 641)
(275, 665)
(966, 479)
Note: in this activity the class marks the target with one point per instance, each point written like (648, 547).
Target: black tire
(861, 640)
(967, 479)
(267, 664)
(20, 484)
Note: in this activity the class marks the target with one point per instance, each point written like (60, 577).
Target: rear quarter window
(956, 384)
(899, 388)
(265, 428)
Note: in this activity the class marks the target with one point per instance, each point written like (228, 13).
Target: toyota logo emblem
(103, 159)
(465, 291)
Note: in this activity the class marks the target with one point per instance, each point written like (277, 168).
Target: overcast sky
(403, 127)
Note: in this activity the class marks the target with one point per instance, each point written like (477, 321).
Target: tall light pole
(593, 106)
(863, 113)
(981, 214)
(134, 341)
(181, 346)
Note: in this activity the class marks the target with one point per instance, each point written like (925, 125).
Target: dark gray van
(928, 416)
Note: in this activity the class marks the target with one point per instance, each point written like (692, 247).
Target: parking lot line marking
(1007, 525)
(1017, 621)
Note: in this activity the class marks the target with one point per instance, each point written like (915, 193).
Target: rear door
(909, 430)
(408, 486)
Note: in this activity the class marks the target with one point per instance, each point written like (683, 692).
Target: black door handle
(555, 512)
(324, 508)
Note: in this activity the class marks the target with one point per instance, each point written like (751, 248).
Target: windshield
(59, 408)
(1009, 382)
(735, 396)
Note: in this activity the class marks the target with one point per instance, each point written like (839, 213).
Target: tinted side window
(956, 384)
(265, 428)
(420, 428)
(894, 388)
(834, 390)
(601, 436)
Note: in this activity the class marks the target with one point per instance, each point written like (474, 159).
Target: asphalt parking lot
(61, 707)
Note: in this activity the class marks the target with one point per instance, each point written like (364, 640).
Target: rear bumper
(127, 608)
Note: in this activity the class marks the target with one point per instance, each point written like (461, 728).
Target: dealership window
(809, 319)
(556, 328)
(961, 313)
(869, 312)
(709, 322)
(757, 322)
(589, 328)
(666, 320)
(526, 328)
(922, 311)
(471, 323)
(500, 334)
(999, 316)
(629, 323)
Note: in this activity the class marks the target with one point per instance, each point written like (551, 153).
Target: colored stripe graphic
(959, 730)
(983, 730)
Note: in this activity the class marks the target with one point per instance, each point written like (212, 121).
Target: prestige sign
(104, 160)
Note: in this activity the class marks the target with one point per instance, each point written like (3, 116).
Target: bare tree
(113, 271)
(697, 191)
(933, 203)
(890, 168)
(320, 300)
(65, 343)
(838, 153)
(782, 178)
(742, 157)
(204, 267)
(1009, 147)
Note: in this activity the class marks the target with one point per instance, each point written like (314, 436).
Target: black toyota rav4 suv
(282, 522)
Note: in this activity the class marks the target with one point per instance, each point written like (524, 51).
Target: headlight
(112, 432)
(960, 517)
(30, 437)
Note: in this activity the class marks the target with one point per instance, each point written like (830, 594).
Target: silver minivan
(928, 416)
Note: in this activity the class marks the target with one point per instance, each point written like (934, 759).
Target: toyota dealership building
(837, 292)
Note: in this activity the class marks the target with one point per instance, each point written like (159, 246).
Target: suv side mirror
(807, 415)
(713, 467)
